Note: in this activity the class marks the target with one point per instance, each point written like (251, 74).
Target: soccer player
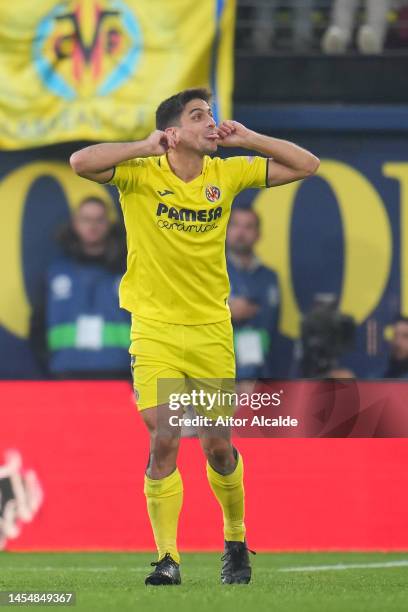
(176, 200)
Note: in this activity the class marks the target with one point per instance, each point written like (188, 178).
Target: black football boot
(166, 571)
(236, 568)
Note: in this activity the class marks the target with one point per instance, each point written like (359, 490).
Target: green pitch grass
(114, 582)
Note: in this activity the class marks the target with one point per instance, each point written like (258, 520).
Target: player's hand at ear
(160, 142)
(232, 134)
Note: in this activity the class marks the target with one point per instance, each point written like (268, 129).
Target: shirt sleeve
(127, 175)
(246, 172)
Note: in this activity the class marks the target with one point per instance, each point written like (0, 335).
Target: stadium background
(354, 213)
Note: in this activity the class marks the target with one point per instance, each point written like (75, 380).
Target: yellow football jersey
(176, 268)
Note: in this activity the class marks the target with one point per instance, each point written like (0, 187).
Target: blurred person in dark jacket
(398, 358)
(79, 331)
(254, 297)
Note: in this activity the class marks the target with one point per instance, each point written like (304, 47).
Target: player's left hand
(232, 134)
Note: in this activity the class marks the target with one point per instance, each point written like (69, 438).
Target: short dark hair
(169, 111)
(95, 199)
(251, 211)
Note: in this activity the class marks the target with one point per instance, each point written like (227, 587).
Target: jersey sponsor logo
(212, 193)
(183, 227)
(188, 214)
(165, 192)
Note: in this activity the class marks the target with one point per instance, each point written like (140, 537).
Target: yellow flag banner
(97, 69)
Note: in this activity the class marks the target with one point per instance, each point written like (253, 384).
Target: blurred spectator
(254, 298)
(265, 21)
(398, 34)
(326, 334)
(79, 331)
(398, 360)
(371, 35)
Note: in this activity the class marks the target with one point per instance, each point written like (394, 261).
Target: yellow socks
(164, 500)
(165, 497)
(229, 491)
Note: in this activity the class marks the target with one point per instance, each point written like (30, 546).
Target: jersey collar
(165, 166)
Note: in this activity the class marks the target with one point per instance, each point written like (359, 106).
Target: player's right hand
(160, 142)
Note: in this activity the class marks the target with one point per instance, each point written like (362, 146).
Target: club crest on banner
(87, 47)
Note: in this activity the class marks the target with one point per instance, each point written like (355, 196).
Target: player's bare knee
(220, 456)
(163, 448)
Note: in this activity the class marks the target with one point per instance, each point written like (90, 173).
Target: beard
(241, 249)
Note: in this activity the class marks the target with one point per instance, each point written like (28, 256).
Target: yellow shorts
(164, 353)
